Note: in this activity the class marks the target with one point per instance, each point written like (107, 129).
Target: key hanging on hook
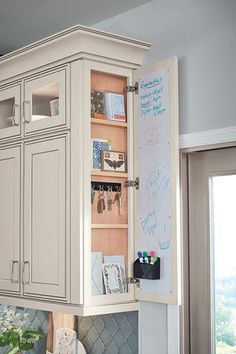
(109, 198)
(92, 194)
(118, 199)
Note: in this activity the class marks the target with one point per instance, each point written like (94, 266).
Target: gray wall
(202, 33)
(153, 329)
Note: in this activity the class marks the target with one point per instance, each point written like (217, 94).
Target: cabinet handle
(15, 117)
(12, 272)
(26, 109)
(23, 273)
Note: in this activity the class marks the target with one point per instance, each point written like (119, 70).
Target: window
(223, 265)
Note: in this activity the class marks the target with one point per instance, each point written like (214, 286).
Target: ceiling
(26, 21)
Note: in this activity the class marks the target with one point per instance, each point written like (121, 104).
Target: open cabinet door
(157, 202)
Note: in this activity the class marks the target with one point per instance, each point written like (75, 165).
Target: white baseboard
(208, 137)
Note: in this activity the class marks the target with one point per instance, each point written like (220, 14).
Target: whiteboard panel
(158, 160)
(154, 150)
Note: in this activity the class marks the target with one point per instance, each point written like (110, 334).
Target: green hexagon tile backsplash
(107, 334)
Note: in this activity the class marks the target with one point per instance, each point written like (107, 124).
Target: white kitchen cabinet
(10, 216)
(63, 230)
(10, 113)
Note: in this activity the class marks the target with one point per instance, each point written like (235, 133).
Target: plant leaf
(26, 346)
(5, 339)
(13, 350)
(14, 338)
(30, 334)
(33, 333)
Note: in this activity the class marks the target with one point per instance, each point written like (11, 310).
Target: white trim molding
(173, 328)
(208, 137)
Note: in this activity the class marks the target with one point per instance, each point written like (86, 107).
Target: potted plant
(14, 334)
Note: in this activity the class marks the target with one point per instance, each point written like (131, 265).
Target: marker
(153, 260)
(140, 256)
(145, 256)
(152, 254)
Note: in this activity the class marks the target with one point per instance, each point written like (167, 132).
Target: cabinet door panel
(10, 124)
(45, 101)
(157, 154)
(9, 218)
(44, 219)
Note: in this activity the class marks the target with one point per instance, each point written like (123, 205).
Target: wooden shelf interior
(114, 216)
(101, 81)
(110, 229)
(117, 136)
(111, 242)
(115, 132)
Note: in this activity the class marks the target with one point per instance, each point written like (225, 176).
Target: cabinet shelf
(109, 226)
(109, 174)
(109, 122)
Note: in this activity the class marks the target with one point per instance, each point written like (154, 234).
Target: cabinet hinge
(134, 281)
(135, 183)
(133, 89)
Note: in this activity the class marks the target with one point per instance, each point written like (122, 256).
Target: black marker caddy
(147, 270)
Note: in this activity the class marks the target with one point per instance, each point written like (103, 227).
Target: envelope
(96, 273)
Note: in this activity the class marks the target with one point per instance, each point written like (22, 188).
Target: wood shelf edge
(109, 226)
(109, 174)
(109, 122)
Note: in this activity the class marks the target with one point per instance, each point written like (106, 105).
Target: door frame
(184, 311)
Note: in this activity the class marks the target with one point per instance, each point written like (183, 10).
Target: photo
(113, 280)
(113, 161)
(98, 145)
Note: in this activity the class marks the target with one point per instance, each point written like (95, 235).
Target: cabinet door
(10, 219)
(157, 200)
(44, 101)
(44, 265)
(10, 112)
